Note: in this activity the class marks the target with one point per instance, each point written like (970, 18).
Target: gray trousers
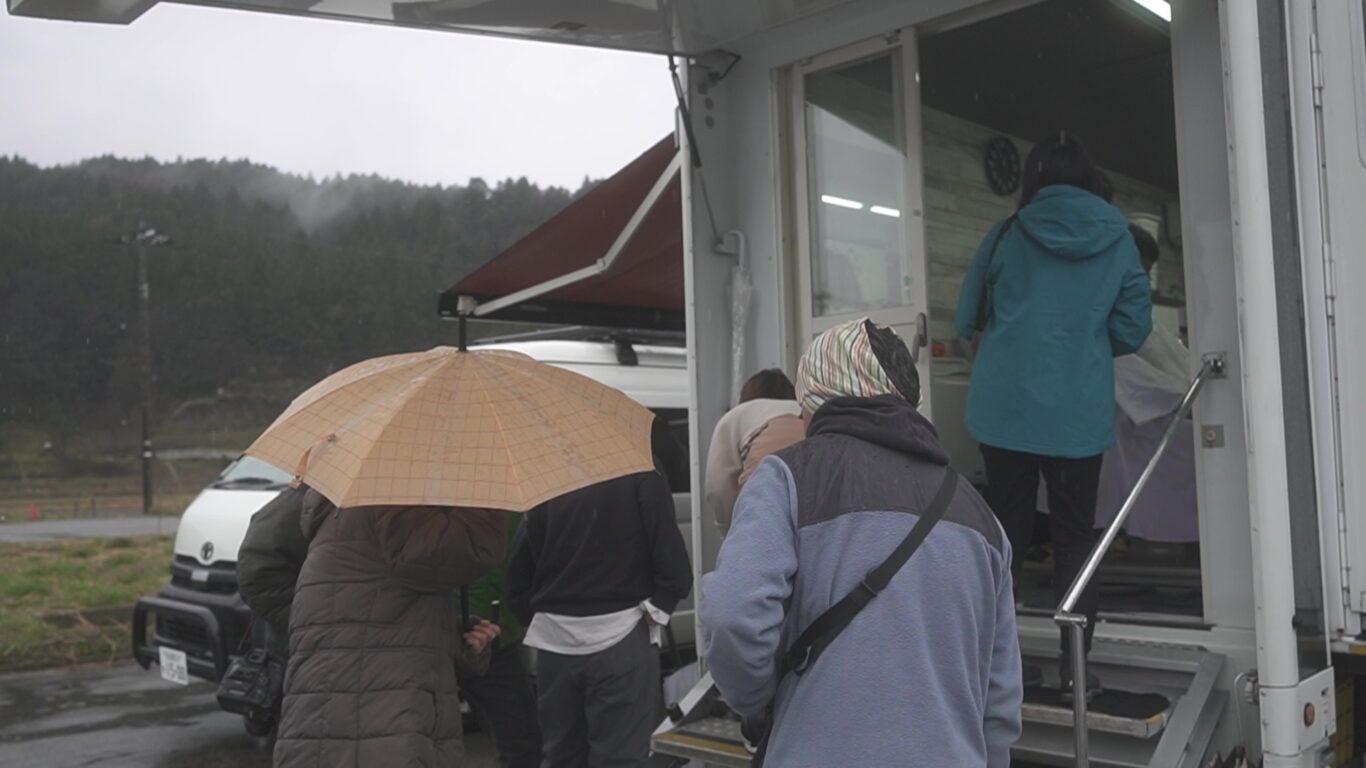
(599, 710)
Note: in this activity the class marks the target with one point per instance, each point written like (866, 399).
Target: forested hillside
(267, 278)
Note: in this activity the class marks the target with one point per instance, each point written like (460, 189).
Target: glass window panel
(856, 186)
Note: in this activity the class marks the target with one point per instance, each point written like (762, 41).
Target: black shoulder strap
(985, 300)
(823, 631)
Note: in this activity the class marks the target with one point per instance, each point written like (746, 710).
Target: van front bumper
(207, 627)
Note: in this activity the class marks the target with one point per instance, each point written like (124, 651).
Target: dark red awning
(643, 287)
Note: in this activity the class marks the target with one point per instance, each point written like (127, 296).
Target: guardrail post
(1075, 625)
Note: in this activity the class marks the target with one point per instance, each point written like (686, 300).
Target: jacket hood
(885, 420)
(1071, 222)
(316, 508)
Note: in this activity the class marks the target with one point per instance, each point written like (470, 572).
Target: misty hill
(268, 276)
(313, 203)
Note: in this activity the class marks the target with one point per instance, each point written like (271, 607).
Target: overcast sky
(322, 97)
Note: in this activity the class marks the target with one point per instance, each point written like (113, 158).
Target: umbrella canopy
(449, 428)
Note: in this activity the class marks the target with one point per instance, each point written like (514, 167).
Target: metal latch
(1212, 435)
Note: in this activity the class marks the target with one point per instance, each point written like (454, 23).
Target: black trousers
(504, 701)
(1013, 490)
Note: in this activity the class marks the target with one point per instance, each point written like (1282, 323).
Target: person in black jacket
(595, 573)
(268, 563)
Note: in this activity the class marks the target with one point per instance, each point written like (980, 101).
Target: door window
(856, 169)
(669, 441)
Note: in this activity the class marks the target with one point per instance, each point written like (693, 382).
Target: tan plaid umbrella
(450, 428)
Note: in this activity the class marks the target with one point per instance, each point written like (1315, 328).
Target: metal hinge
(1330, 278)
(1316, 69)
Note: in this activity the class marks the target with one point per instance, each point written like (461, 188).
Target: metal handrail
(1066, 616)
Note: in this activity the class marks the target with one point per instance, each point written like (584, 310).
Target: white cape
(1149, 386)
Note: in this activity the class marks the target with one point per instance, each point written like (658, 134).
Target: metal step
(1176, 738)
(1096, 722)
(713, 742)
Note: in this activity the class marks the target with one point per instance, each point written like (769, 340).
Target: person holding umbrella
(413, 461)
(500, 692)
(373, 628)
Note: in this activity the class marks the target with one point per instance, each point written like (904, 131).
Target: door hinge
(1330, 278)
(1316, 69)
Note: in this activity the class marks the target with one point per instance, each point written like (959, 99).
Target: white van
(201, 615)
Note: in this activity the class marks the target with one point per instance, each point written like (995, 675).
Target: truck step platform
(1158, 709)
(1128, 713)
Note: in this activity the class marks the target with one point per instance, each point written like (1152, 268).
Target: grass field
(70, 601)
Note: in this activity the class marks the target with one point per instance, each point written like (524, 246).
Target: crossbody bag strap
(984, 302)
(820, 633)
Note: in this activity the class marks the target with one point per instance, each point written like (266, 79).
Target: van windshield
(248, 472)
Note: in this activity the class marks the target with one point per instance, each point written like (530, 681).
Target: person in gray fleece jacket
(929, 673)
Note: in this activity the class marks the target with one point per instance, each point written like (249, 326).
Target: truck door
(1334, 171)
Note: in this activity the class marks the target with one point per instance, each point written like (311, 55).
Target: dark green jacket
(494, 587)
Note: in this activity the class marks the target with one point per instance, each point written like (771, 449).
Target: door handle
(922, 337)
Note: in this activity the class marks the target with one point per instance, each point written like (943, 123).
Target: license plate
(173, 666)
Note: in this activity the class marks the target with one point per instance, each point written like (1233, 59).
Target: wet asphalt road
(124, 717)
(86, 528)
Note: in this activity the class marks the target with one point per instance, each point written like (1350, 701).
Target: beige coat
(742, 438)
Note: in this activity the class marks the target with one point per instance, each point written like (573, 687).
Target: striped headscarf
(841, 363)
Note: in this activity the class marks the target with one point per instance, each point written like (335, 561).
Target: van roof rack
(620, 337)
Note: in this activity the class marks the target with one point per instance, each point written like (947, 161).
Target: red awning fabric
(647, 275)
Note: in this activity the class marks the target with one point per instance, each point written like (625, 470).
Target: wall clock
(1002, 164)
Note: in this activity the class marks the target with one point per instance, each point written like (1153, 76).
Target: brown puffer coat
(374, 630)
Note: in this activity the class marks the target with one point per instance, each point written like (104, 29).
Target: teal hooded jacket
(1067, 296)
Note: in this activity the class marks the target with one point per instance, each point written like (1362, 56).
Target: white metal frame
(1287, 735)
(1320, 327)
(1356, 13)
(1345, 231)
(1328, 69)
(786, 218)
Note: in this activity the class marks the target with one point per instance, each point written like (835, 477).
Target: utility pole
(144, 238)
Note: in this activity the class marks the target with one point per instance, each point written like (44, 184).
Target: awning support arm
(602, 264)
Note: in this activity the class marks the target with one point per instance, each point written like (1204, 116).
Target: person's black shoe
(1065, 684)
(1032, 675)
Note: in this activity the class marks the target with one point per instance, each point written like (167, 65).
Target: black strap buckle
(866, 587)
